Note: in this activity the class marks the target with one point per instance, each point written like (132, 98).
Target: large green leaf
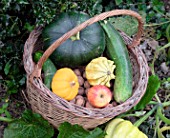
(127, 24)
(66, 130)
(152, 88)
(7, 67)
(30, 125)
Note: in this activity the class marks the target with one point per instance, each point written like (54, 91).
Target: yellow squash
(120, 128)
(100, 71)
(65, 84)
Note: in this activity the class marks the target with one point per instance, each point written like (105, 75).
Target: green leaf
(96, 8)
(168, 33)
(118, 2)
(152, 88)
(66, 130)
(127, 24)
(30, 125)
(8, 65)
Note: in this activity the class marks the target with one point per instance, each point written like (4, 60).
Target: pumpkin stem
(72, 83)
(75, 37)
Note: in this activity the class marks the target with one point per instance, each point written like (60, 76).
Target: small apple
(99, 96)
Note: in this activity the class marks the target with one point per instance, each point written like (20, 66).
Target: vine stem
(164, 104)
(141, 120)
(165, 128)
(156, 55)
(165, 46)
(161, 116)
(156, 24)
(157, 127)
(157, 98)
(5, 119)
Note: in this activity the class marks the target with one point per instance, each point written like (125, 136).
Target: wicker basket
(57, 110)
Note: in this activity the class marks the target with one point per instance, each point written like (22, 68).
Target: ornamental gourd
(100, 71)
(65, 84)
(120, 128)
(78, 50)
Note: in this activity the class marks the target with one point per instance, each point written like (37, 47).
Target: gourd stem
(141, 120)
(72, 83)
(78, 36)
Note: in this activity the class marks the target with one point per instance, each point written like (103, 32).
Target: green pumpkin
(78, 50)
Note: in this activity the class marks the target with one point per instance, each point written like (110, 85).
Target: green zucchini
(48, 68)
(117, 51)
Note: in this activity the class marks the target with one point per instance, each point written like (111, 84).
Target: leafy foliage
(153, 13)
(12, 71)
(66, 130)
(4, 110)
(28, 126)
(152, 88)
(127, 24)
(14, 30)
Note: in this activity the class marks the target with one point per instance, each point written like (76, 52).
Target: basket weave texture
(57, 110)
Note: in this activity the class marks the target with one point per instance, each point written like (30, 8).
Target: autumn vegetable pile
(151, 115)
(90, 69)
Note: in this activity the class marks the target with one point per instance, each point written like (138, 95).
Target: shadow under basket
(57, 110)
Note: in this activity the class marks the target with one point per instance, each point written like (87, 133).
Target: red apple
(99, 96)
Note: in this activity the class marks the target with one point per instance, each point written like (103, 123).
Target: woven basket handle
(102, 16)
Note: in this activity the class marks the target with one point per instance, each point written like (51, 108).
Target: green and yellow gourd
(120, 128)
(100, 71)
(117, 51)
(78, 50)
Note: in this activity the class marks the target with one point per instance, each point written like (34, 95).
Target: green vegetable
(120, 128)
(117, 51)
(66, 130)
(30, 125)
(152, 88)
(86, 45)
(127, 24)
(48, 68)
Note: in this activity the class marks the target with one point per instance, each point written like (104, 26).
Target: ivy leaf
(7, 67)
(127, 24)
(96, 8)
(118, 2)
(152, 88)
(66, 130)
(30, 125)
